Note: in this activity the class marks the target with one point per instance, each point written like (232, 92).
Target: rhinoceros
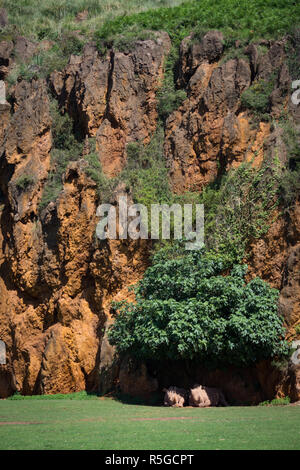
(175, 396)
(203, 397)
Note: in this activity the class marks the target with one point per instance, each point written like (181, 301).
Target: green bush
(187, 309)
(25, 182)
(277, 402)
(290, 187)
(233, 52)
(257, 98)
(281, 401)
(126, 41)
(169, 99)
(240, 206)
(145, 173)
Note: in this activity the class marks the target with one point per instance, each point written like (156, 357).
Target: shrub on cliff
(24, 182)
(186, 308)
(257, 98)
(240, 207)
(66, 148)
(145, 173)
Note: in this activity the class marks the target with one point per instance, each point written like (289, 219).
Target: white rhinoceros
(203, 397)
(175, 396)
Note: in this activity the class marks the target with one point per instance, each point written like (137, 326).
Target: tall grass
(39, 19)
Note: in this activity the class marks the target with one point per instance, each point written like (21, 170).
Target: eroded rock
(114, 97)
(135, 379)
(175, 396)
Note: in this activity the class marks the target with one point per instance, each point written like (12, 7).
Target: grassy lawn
(110, 425)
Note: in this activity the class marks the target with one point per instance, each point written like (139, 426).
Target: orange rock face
(56, 283)
(57, 313)
(56, 280)
(211, 132)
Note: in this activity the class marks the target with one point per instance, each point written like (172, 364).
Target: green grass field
(103, 423)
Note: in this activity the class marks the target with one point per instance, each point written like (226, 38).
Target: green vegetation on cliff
(239, 207)
(24, 182)
(112, 21)
(145, 173)
(257, 98)
(39, 20)
(66, 148)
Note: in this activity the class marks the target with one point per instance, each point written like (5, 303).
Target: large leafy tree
(192, 306)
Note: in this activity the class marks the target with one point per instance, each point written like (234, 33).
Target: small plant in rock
(105, 185)
(276, 402)
(281, 401)
(25, 182)
(186, 309)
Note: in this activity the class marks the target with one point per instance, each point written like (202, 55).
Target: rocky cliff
(56, 280)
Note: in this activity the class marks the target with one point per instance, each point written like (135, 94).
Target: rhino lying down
(203, 397)
(175, 396)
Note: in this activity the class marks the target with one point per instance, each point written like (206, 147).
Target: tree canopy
(192, 306)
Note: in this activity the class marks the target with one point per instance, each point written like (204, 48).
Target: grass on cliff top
(113, 21)
(55, 21)
(48, 19)
(109, 424)
(41, 19)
